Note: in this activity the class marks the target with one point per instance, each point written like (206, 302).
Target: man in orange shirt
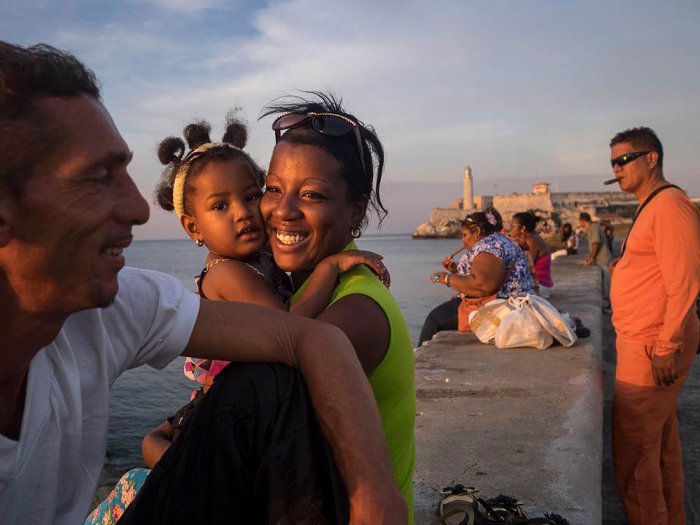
(655, 286)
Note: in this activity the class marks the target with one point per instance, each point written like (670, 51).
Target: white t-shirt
(51, 473)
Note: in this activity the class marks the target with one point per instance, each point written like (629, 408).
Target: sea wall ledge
(522, 422)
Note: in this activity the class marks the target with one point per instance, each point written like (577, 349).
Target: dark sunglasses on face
(626, 158)
(326, 123)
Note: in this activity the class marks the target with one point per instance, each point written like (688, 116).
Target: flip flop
(501, 509)
(458, 506)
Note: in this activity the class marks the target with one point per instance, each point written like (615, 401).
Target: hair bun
(236, 130)
(171, 149)
(534, 215)
(197, 134)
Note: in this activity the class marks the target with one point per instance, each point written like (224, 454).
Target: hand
(380, 505)
(664, 369)
(348, 259)
(449, 264)
(439, 277)
(587, 262)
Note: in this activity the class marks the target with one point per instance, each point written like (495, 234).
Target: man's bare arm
(595, 248)
(340, 393)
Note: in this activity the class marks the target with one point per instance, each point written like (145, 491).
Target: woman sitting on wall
(522, 230)
(569, 239)
(493, 265)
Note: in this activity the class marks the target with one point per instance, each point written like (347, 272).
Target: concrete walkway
(522, 422)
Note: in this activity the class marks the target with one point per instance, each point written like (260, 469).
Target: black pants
(251, 452)
(442, 317)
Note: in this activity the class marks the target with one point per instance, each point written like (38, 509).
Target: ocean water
(144, 397)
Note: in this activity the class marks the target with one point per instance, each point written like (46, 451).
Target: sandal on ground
(501, 509)
(458, 506)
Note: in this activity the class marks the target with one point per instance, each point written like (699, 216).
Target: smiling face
(305, 207)
(224, 202)
(75, 215)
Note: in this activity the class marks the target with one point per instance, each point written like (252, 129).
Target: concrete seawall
(522, 422)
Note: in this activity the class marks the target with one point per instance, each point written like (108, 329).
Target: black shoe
(580, 330)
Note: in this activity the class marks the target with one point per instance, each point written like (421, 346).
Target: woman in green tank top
(324, 175)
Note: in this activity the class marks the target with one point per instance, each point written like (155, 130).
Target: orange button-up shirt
(656, 283)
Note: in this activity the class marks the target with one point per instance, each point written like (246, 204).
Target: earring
(199, 242)
(356, 232)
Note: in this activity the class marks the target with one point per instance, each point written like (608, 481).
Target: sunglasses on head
(626, 158)
(326, 123)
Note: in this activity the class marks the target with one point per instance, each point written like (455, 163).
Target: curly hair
(171, 153)
(27, 135)
(363, 184)
(642, 138)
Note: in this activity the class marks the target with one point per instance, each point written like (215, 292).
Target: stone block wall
(441, 215)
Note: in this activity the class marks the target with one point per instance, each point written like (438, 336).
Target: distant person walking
(598, 254)
(655, 286)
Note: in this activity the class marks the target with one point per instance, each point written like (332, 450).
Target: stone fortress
(555, 208)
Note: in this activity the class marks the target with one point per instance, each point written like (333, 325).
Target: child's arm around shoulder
(156, 442)
(315, 297)
(233, 280)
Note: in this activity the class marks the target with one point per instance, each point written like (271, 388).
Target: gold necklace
(209, 266)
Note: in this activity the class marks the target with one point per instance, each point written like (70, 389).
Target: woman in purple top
(522, 229)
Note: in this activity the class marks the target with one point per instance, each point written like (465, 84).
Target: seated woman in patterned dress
(492, 265)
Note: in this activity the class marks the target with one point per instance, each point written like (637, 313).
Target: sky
(521, 91)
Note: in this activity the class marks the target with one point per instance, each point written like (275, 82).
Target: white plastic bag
(485, 321)
(552, 321)
(521, 328)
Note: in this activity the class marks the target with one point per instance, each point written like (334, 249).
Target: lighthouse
(468, 195)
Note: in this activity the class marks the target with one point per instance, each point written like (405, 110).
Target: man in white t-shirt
(73, 319)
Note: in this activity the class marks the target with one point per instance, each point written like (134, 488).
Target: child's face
(225, 206)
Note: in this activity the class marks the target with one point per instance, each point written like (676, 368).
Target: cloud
(520, 91)
(189, 6)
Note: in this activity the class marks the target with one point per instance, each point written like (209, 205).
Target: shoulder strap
(639, 210)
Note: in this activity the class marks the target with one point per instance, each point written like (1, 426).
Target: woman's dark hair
(171, 152)
(566, 230)
(489, 221)
(527, 219)
(363, 186)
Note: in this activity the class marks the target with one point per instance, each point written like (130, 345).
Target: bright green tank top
(393, 381)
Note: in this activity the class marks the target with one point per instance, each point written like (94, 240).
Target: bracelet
(448, 278)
